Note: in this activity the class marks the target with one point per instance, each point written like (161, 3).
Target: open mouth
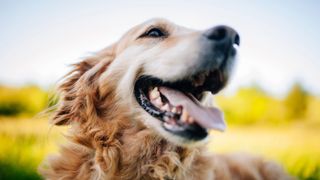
(177, 106)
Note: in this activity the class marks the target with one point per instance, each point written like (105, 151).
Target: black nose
(223, 35)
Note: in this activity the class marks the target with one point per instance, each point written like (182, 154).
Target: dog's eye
(154, 32)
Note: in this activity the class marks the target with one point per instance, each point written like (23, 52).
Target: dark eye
(154, 32)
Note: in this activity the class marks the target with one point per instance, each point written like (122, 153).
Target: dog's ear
(79, 89)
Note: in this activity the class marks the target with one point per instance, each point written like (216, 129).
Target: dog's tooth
(158, 102)
(154, 93)
(179, 109)
(156, 90)
(174, 110)
(184, 116)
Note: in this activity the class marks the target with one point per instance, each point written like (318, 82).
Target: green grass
(24, 143)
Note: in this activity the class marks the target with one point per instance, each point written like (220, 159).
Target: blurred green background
(284, 129)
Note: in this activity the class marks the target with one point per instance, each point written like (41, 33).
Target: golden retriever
(136, 109)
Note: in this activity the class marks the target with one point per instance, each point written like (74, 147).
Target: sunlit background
(272, 103)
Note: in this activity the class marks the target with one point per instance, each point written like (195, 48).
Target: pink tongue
(206, 117)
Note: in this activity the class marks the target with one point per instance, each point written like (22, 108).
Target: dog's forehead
(136, 31)
(159, 23)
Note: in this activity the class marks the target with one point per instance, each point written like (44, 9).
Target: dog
(136, 109)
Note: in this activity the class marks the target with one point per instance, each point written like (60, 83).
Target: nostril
(223, 36)
(218, 33)
(237, 40)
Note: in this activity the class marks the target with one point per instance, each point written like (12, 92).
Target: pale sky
(280, 40)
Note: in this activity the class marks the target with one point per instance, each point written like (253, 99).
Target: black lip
(191, 132)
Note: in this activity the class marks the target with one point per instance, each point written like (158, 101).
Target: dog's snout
(223, 35)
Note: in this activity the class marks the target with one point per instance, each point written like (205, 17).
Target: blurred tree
(27, 100)
(251, 105)
(296, 102)
(312, 112)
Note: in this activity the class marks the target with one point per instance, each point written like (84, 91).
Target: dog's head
(157, 74)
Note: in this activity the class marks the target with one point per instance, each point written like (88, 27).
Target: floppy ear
(79, 89)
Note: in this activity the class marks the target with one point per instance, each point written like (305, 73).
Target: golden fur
(109, 138)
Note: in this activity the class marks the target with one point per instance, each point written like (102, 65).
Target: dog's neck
(136, 152)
